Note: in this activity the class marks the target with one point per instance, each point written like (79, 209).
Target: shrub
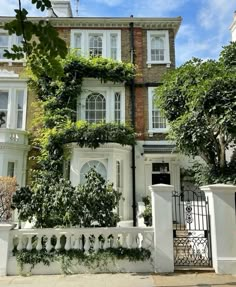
(7, 188)
(52, 202)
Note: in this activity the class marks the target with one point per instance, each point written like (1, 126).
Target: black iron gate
(191, 229)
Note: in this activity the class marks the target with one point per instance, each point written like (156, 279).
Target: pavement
(190, 279)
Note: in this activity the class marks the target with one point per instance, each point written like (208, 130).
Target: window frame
(106, 42)
(150, 110)
(109, 94)
(165, 35)
(12, 40)
(12, 87)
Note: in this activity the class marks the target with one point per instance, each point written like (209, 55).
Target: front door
(160, 173)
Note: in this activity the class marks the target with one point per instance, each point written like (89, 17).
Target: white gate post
(223, 226)
(162, 223)
(4, 244)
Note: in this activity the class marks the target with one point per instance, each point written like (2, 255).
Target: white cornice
(108, 22)
(8, 74)
(104, 147)
(7, 146)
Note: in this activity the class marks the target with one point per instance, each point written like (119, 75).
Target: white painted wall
(223, 226)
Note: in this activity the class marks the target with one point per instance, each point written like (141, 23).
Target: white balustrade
(82, 238)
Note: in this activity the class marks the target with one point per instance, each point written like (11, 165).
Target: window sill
(157, 131)
(149, 64)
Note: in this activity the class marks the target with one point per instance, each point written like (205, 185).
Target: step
(194, 268)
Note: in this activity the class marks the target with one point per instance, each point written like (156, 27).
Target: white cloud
(215, 16)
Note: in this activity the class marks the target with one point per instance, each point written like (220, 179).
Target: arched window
(97, 165)
(95, 108)
(95, 45)
(157, 48)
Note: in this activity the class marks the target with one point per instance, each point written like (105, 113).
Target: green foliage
(52, 202)
(91, 260)
(228, 56)
(59, 96)
(98, 200)
(147, 214)
(198, 99)
(39, 39)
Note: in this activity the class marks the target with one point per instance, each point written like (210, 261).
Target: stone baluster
(115, 241)
(129, 240)
(134, 241)
(96, 245)
(87, 244)
(81, 245)
(76, 245)
(68, 242)
(48, 243)
(20, 244)
(29, 242)
(124, 240)
(106, 242)
(58, 244)
(39, 243)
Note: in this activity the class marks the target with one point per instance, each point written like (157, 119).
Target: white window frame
(109, 94)
(12, 40)
(88, 162)
(150, 109)
(106, 41)
(165, 35)
(11, 88)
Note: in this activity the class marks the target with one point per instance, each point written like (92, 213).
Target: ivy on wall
(58, 91)
(92, 260)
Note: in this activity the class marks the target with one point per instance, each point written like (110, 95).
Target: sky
(203, 32)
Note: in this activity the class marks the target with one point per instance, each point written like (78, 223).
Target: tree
(199, 102)
(39, 39)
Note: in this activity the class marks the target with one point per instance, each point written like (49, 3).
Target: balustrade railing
(84, 239)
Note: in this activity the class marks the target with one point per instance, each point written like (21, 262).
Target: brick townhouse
(147, 42)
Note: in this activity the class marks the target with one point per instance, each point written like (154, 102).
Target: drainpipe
(132, 94)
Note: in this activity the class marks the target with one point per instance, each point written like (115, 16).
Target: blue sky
(204, 30)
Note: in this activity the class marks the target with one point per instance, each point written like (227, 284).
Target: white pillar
(162, 223)
(223, 226)
(4, 243)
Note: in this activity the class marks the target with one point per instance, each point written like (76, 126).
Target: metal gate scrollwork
(191, 229)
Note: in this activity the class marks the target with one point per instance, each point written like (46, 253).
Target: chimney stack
(60, 8)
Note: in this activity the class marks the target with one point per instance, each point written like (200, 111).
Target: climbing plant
(55, 126)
